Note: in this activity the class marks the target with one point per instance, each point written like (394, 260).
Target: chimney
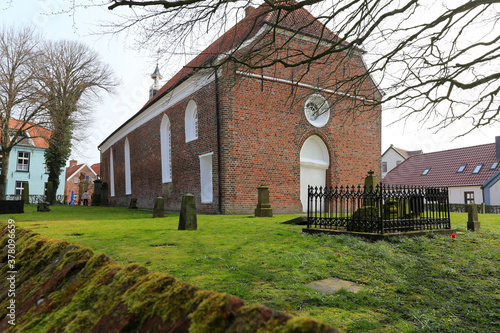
(497, 141)
(249, 10)
(72, 163)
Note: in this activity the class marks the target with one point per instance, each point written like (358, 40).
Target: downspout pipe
(219, 150)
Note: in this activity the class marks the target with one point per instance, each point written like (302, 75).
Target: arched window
(128, 180)
(191, 121)
(111, 173)
(166, 150)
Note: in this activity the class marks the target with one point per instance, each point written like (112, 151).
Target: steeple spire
(156, 76)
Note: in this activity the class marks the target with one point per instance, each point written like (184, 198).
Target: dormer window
(461, 168)
(477, 169)
(425, 172)
(494, 165)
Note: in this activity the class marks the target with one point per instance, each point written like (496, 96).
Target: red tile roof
(97, 168)
(72, 169)
(443, 168)
(40, 135)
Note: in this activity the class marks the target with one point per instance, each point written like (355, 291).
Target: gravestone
(263, 206)
(95, 200)
(43, 206)
(133, 203)
(104, 194)
(187, 218)
(159, 210)
(26, 193)
(50, 192)
(473, 223)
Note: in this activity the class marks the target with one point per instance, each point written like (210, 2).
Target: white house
(394, 156)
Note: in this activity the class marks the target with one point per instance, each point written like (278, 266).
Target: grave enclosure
(378, 211)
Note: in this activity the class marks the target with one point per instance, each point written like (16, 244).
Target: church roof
(299, 21)
(469, 166)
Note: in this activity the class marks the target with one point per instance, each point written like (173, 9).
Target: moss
(86, 292)
(301, 324)
(212, 315)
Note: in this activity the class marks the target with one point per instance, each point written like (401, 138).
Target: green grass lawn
(424, 284)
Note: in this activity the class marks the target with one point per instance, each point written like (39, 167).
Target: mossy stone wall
(64, 287)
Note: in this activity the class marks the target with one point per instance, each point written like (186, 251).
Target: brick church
(219, 134)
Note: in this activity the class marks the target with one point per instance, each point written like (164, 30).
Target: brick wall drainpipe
(217, 116)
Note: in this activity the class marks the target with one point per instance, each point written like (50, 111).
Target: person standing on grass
(85, 198)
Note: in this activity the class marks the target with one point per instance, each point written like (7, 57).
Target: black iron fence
(382, 209)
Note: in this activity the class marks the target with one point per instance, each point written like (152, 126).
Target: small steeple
(156, 76)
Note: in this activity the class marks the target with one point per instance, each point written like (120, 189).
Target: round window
(317, 110)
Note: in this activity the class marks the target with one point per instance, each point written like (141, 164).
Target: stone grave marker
(187, 218)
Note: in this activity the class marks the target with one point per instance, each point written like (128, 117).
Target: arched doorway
(314, 161)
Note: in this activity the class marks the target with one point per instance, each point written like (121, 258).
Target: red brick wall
(263, 128)
(70, 185)
(145, 157)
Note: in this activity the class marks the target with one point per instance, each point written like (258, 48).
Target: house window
(493, 166)
(461, 168)
(191, 121)
(398, 162)
(425, 172)
(469, 197)
(128, 179)
(206, 178)
(76, 180)
(20, 185)
(111, 174)
(477, 169)
(166, 150)
(23, 161)
(384, 166)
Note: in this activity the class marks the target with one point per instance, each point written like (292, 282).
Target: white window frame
(191, 121)
(166, 150)
(111, 173)
(20, 184)
(128, 177)
(206, 178)
(24, 166)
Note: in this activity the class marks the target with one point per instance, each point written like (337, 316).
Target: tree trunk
(4, 173)
(56, 156)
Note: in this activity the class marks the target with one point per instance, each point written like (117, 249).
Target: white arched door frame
(314, 161)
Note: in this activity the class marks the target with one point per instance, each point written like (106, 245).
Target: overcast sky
(134, 67)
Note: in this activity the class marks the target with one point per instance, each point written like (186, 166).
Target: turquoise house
(27, 166)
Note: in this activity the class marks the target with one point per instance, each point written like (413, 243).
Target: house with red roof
(79, 179)
(220, 133)
(472, 174)
(394, 156)
(27, 163)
